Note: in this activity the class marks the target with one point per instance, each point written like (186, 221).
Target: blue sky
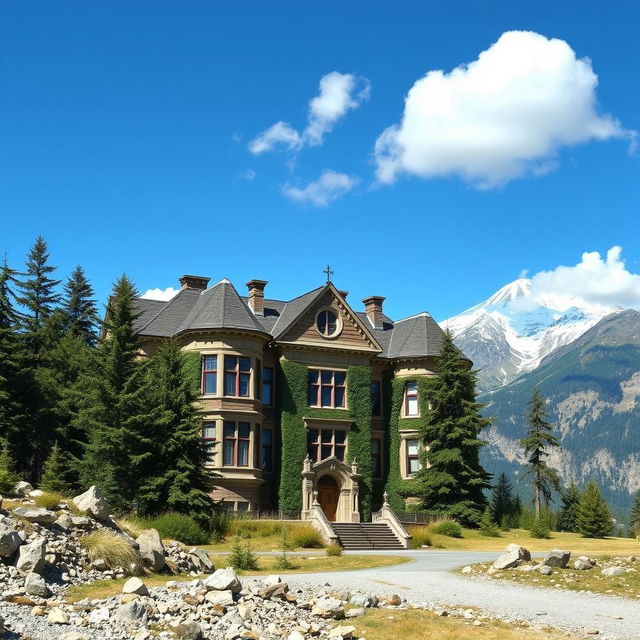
(125, 130)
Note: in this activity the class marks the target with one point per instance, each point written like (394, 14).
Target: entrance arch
(328, 496)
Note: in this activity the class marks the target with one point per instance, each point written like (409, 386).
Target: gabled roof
(294, 309)
(415, 337)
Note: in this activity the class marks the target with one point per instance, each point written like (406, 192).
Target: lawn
(413, 624)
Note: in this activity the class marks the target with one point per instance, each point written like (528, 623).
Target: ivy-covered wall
(394, 389)
(193, 368)
(293, 401)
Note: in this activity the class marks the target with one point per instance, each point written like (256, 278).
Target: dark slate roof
(272, 311)
(417, 336)
(147, 309)
(293, 309)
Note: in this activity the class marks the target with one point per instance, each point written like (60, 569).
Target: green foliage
(539, 529)
(49, 500)
(79, 307)
(334, 549)
(55, 472)
(8, 478)
(568, 519)
(111, 547)
(420, 536)
(218, 525)
(451, 479)
(488, 526)
(634, 516)
(242, 557)
(283, 563)
(594, 517)
(448, 528)
(177, 526)
(503, 503)
(307, 537)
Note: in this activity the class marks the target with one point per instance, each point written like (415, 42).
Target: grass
(414, 624)
(110, 547)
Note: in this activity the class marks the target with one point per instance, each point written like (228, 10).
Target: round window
(327, 323)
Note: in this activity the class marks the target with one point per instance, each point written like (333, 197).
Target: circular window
(328, 324)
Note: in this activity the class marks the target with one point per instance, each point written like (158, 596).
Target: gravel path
(427, 579)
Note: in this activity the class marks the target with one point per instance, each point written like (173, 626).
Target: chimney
(194, 282)
(344, 294)
(256, 296)
(373, 309)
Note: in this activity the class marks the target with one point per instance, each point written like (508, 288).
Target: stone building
(305, 403)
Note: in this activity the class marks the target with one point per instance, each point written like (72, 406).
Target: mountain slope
(592, 387)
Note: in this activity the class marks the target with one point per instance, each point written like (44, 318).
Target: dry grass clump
(50, 500)
(421, 535)
(131, 526)
(113, 549)
(306, 536)
(246, 528)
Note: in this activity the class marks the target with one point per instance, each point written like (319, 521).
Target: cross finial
(329, 272)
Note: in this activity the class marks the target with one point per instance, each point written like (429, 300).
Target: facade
(303, 402)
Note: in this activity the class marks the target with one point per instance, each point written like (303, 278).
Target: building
(304, 402)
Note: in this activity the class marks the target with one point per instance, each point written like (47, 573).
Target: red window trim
(319, 444)
(318, 385)
(205, 371)
(412, 456)
(236, 439)
(408, 395)
(236, 371)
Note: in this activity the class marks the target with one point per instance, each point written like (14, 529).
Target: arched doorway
(328, 496)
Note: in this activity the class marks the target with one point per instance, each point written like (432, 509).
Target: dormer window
(328, 324)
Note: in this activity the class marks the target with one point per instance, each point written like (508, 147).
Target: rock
(342, 632)
(544, 569)
(36, 493)
(395, 600)
(31, 556)
(584, 563)
(557, 558)
(23, 489)
(64, 521)
(135, 585)
(189, 631)
(73, 635)
(364, 600)
(10, 540)
(201, 559)
(34, 585)
(467, 569)
(269, 581)
(295, 635)
(38, 611)
(58, 616)
(224, 579)
(512, 556)
(356, 612)
(93, 502)
(151, 549)
(612, 572)
(99, 614)
(328, 608)
(1, 625)
(80, 522)
(37, 515)
(132, 613)
(222, 598)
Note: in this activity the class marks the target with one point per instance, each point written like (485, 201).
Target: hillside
(592, 387)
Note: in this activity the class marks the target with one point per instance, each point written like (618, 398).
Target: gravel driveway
(427, 579)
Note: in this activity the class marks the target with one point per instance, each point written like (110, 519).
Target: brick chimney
(194, 282)
(256, 296)
(373, 309)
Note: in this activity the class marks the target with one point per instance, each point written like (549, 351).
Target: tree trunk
(536, 488)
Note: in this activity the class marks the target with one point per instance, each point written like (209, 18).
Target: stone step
(366, 536)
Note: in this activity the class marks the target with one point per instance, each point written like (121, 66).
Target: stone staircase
(366, 535)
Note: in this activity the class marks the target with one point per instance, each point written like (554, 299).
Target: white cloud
(501, 116)
(160, 294)
(595, 280)
(328, 187)
(339, 92)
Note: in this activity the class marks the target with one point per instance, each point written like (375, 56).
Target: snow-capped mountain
(512, 331)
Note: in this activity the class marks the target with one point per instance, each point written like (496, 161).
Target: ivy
(193, 369)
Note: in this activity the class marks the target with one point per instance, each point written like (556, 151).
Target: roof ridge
(165, 304)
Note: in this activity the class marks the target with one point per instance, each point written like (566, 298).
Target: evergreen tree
(568, 519)
(594, 516)
(177, 480)
(539, 439)
(451, 479)
(8, 477)
(634, 516)
(502, 501)
(55, 471)
(514, 520)
(116, 411)
(80, 307)
(488, 526)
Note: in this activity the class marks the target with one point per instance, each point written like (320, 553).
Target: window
(266, 450)
(326, 388)
(413, 456)
(235, 447)
(257, 392)
(376, 456)
(267, 386)
(376, 399)
(324, 443)
(327, 323)
(209, 374)
(209, 437)
(237, 374)
(411, 399)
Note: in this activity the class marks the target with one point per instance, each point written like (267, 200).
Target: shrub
(50, 500)
(219, 525)
(113, 549)
(487, 526)
(242, 557)
(283, 562)
(421, 536)
(178, 526)
(254, 528)
(307, 537)
(539, 529)
(594, 516)
(334, 549)
(8, 478)
(448, 528)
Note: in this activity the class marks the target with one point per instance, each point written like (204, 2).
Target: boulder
(37, 515)
(58, 616)
(151, 549)
(10, 540)
(342, 632)
(394, 600)
(34, 585)
(36, 493)
(328, 608)
(512, 556)
(364, 600)
(132, 613)
(93, 502)
(99, 614)
(222, 598)
(64, 522)
(269, 581)
(612, 572)
(544, 569)
(189, 630)
(584, 563)
(201, 559)
(135, 585)
(31, 556)
(223, 579)
(557, 558)
(23, 489)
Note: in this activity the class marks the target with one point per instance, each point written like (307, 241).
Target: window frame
(338, 323)
(318, 384)
(408, 395)
(270, 386)
(204, 372)
(409, 457)
(376, 395)
(377, 459)
(268, 448)
(236, 440)
(207, 442)
(319, 443)
(237, 372)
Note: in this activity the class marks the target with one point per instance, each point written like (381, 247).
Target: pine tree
(539, 439)
(55, 472)
(502, 501)
(8, 477)
(451, 479)
(80, 307)
(634, 516)
(594, 516)
(488, 526)
(177, 479)
(568, 519)
(116, 412)
(514, 520)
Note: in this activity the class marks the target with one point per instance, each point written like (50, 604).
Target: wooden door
(328, 495)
